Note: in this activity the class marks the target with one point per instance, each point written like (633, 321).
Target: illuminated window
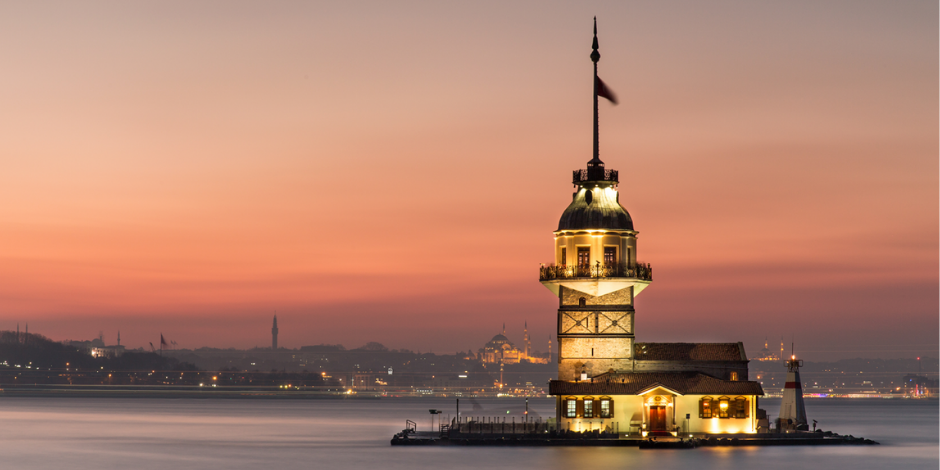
(734, 376)
(740, 407)
(705, 408)
(584, 256)
(724, 405)
(571, 408)
(610, 255)
(588, 407)
(606, 408)
(564, 256)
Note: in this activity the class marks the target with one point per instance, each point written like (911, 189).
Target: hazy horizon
(394, 172)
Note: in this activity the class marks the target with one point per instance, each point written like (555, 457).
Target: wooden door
(657, 418)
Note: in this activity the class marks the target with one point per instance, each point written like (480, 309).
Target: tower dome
(596, 204)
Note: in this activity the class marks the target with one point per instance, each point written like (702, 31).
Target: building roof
(634, 383)
(689, 352)
(599, 211)
(499, 340)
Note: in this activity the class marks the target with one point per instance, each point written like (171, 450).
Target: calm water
(134, 434)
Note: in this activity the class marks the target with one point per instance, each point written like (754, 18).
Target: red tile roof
(689, 352)
(632, 383)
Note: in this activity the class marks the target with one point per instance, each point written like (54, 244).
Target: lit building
(766, 355)
(606, 380)
(500, 350)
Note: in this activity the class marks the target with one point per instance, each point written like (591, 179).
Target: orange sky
(393, 173)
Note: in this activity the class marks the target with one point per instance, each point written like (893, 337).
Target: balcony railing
(641, 271)
(594, 174)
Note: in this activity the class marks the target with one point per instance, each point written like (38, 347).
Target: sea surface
(144, 433)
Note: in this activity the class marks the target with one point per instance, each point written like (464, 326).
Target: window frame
(741, 408)
(724, 413)
(613, 258)
(571, 408)
(588, 407)
(606, 408)
(706, 408)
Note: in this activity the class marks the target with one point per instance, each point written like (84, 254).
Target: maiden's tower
(606, 379)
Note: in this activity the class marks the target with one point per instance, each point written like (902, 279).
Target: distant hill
(38, 351)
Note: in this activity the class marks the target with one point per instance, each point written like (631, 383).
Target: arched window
(741, 410)
(706, 408)
(582, 302)
(724, 407)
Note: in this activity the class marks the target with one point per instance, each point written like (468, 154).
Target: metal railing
(594, 174)
(641, 271)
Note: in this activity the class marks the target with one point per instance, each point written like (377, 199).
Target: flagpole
(595, 56)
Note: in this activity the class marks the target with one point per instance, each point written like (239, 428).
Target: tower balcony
(594, 174)
(639, 271)
(597, 280)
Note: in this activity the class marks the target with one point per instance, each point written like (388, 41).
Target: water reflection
(354, 433)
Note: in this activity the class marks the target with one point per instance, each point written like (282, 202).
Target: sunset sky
(393, 171)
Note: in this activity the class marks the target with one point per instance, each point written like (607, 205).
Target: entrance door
(657, 418)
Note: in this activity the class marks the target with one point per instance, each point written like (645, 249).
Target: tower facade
(607, 380)
(274, 335)
(595, 275)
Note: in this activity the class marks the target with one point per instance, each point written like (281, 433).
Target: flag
(602, 90)
(162, 341)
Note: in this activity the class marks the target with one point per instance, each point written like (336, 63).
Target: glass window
(724, 406)
(571, 408)
(564, 257)
(734, 376)
(588, 408)
(605, 408)
(584, 256)
(740, 407)
(610, 255)
(706, 407)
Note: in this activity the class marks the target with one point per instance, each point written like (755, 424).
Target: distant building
(107, 351)
(500, 350)
(766, 355)
(274, 335)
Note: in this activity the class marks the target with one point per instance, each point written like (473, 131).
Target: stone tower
(274, 335)
(595, 275)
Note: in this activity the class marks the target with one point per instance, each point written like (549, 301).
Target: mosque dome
(499, 340)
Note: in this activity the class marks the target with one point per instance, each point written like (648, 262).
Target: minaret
(549, 348)
(119, 338)
(595, 275)
(274, 335)
(525, 340)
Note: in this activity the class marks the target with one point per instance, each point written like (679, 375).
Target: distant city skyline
(393, 173)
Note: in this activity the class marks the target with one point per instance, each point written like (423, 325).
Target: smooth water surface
(122, 433)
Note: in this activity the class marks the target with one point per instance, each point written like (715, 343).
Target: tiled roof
(689, 352)
(632, 383)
